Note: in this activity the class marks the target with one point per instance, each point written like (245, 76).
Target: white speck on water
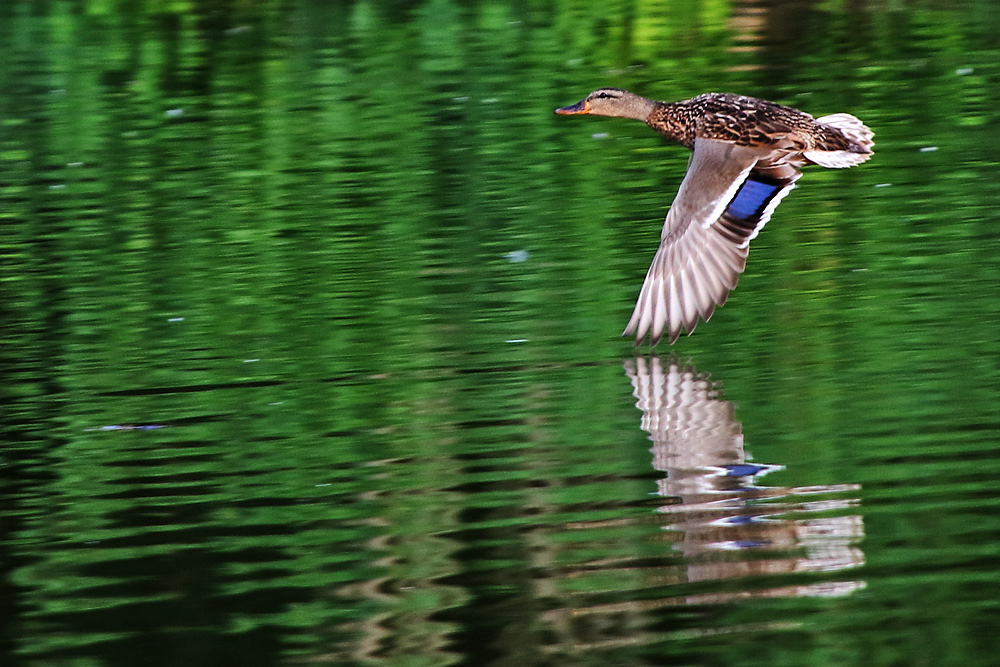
(882, 185)
(175, 319)
(962, 71)
(250, 361)
(517, 340)
(74, 164)
(928, 149)
(175, 113)
(57, 186)
(600, 135)
(517, 256)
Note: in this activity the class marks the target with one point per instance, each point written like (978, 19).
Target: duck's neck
(673, 120)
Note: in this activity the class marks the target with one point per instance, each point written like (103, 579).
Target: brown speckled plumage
(744, 121)
(747, 156)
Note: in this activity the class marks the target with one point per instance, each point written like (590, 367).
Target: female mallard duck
(747, 154)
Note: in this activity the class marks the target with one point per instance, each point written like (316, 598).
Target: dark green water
(309, 351)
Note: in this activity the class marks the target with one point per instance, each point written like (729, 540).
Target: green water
(309, 319)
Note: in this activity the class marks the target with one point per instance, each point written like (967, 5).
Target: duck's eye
(603, 96)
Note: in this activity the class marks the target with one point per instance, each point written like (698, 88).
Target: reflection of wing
(691, 426)
(728, 194)
(717, 509)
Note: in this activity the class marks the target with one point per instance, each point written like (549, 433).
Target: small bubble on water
(517, 256)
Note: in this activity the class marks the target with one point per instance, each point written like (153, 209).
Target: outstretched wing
(727, 195)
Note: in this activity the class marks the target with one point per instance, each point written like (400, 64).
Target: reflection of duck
(747, 154)
(717, 512)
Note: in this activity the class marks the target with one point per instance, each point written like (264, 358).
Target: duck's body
(747, 155)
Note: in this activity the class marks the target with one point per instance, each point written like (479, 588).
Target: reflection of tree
(731, 527)
(332, 188)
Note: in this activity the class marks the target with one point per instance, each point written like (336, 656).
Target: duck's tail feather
(858, 135)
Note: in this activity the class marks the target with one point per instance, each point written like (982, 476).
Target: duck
(747, 154)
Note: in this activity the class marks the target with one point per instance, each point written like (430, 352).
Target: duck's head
(612, 102)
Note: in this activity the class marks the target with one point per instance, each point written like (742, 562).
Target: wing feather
(727, 195)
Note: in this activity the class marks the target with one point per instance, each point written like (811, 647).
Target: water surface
(310, 349)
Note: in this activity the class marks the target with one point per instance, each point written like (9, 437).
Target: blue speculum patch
(751, 199)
